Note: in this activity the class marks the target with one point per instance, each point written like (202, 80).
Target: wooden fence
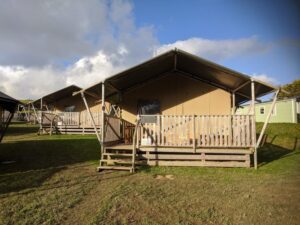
(78, 119)
(75, 122)
(196, 131)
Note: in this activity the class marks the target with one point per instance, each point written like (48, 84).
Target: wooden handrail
(198, 131)
(134, 145)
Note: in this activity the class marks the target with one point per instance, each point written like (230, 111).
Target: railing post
(134, 145)
(194, 134)
(253, 122)
(102, 117)
(138, 133)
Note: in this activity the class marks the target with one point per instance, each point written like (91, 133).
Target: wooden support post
(194, 134)
(253, 122)
(102, 117)
(267, 119)
(91, 117)
(233, 103)
(38, 118)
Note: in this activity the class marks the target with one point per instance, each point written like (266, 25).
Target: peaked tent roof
(54, 96)
(184, 63)
(7, 102)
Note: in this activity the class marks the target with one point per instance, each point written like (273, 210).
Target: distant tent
(8, 106)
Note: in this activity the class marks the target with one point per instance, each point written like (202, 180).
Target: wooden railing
(82, 120)
(78, 119)
(196, 131)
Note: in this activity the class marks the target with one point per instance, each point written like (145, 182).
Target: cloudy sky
(46, 45)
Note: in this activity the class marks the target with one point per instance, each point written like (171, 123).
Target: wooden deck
(163, 140)
(178, 156)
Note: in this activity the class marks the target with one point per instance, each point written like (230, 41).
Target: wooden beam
(113, 87)
(233, 103)
(141, 84)
(91, 117)
(194, 134)
(102, 116)
(267, 119)
(35, 113)
(241, 86)
(86, 92)
(253, 122)
(186, 74)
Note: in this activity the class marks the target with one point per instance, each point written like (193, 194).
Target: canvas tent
(61, 112)
(197, 100)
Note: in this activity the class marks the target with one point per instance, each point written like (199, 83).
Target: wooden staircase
(121, 157)
(118, 158)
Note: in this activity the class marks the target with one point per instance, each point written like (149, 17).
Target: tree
(293, 89)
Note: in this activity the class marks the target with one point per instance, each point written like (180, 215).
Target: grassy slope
(54, 182)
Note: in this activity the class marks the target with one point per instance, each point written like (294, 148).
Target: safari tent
(61, 112)
(8, 106)
(178, 109)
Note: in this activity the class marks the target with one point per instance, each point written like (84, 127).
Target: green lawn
(53, 181)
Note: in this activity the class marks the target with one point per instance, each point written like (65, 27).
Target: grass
(53, 181)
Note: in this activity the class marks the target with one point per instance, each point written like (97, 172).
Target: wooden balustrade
(78, 119)
(196, 131)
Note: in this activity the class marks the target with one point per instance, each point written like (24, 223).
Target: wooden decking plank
(113, 168)
(198, 163)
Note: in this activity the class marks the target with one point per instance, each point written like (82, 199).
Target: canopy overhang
(55, 96)
(8, 103)
(186, 64)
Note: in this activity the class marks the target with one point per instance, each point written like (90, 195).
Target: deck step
(122, 162)
(117, 154)
(114, 168)
(117, 158)
(119, 161)
(118, 149)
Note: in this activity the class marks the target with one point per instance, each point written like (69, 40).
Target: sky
(47, 45)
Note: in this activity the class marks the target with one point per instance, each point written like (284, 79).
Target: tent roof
(55, 96)
(8, 102)
(184, 63)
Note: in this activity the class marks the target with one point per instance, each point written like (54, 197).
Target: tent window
(262, 110)
(148, 107)
(70, 108)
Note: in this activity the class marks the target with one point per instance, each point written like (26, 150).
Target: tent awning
(7, 102)
(178, 61)
(57, 95)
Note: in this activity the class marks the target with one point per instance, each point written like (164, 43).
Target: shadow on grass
(20, 128)
(272, 151)
(37, 160)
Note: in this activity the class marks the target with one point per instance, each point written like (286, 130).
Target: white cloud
(23, 82)
(101, 35)
(265, 78)
(216, 49)
(42, 32)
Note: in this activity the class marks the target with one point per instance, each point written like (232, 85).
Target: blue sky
(275, 23)
(57, 43)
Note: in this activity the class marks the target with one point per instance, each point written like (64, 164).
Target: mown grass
(52, 180)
